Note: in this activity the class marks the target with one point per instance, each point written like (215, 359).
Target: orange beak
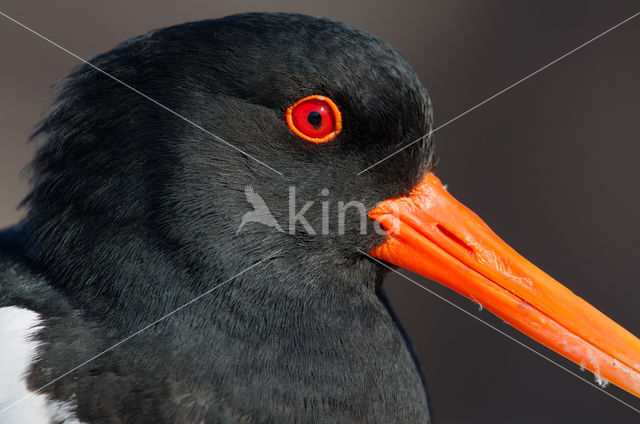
(431, 233)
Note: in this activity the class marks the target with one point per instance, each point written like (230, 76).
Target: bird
(137, 290)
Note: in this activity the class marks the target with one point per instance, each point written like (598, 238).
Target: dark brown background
(551, 165)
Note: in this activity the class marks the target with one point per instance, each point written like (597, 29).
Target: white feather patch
(17, 350)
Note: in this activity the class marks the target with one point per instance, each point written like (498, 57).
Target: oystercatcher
(199, 248)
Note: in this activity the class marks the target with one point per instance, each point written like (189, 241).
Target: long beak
(431, 233)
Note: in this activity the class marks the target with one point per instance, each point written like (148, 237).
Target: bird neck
(252, 330)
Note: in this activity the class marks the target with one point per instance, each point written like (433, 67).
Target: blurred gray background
(551, 165)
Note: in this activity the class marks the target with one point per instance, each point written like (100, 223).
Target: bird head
(164, 133)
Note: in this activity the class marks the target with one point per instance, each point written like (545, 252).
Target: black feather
(134, 212)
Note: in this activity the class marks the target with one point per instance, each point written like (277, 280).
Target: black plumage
(134, 212)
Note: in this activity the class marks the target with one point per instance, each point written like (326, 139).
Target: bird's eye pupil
(314, 118)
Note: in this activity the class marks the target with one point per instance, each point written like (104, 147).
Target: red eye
(315, 118)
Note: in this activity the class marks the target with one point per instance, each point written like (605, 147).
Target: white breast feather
(17, 350)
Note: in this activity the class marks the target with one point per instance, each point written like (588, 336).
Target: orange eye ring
(324, 109)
